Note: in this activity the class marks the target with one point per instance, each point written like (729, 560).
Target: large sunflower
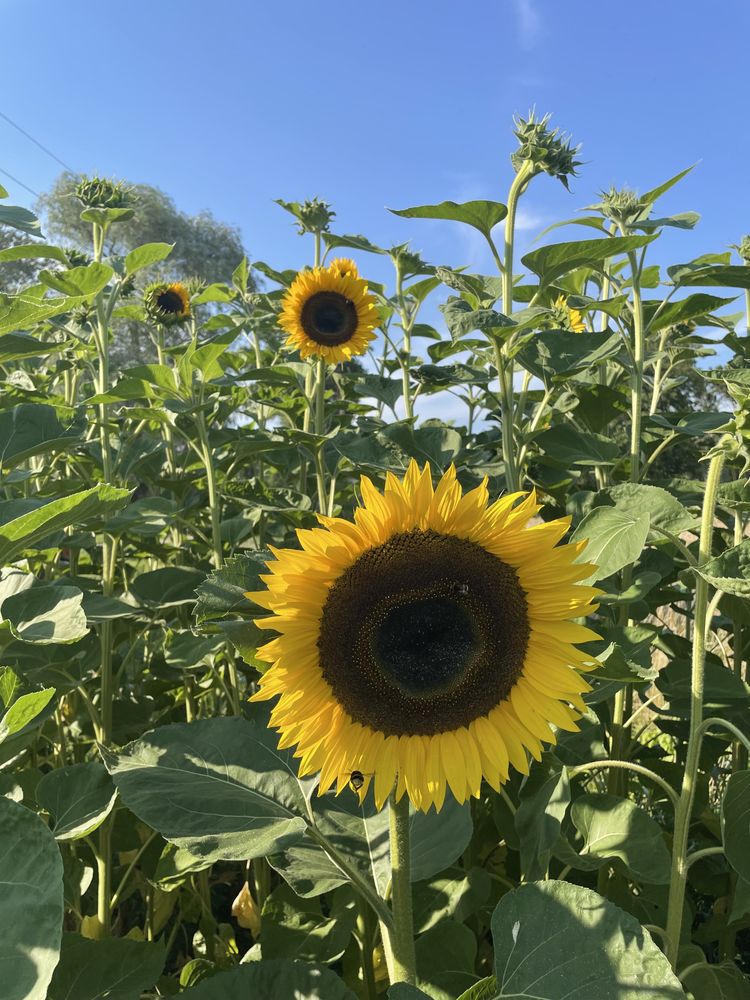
(427, 644)
(328, 312)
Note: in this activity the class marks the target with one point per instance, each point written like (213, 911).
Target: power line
(20, 183)
(36, 143)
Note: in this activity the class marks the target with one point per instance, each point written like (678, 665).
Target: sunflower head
(102, 192)
(427, 644)
(565, 318)
(167, 303)
(328, 312)
(743, 249)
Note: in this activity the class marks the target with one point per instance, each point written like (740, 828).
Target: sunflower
(570, 319)
(428, 644)
(329, 313)
(167, 303)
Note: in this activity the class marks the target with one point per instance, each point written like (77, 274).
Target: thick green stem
(320, 429)
(636, 378)
(399, 942)
(407, 322)
(678, 880)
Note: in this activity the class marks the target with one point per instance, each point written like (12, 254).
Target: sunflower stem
(399, 943)
(678, 880)
(320, 426)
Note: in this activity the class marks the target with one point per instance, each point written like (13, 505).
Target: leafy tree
(205, 249)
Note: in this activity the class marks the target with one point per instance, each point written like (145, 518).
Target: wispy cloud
(529, 22)
(528, 220)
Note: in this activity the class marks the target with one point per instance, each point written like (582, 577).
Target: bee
(357, 780)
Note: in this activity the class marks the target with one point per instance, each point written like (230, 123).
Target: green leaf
(454, 895)
(218, 787)
(78, 797)
(294, 928)
(461, 319)
(553, 261)
(544, 800)
(446, 956)
(114, 968)
(485, 989)
(23, 531)
(147, 517)
(555, 354)
(24, 311)
(730, 571)
(555, 940)
(482, 215)
(717, 982)
(106, 216)
(615, 539)
(651, 196)
(735, 822)
(403, 991)
(16, 346)
(223, 590)
(79, 281)
(144, 256)
(168, 586)
(614, 828)
(723, 275)
(46, 614)
(21, 219)
(23, 711)
(30, 251)
(274, 979)
(692, 307)
(29, 430)
(664, 510)
(566, 445)
(31, 903)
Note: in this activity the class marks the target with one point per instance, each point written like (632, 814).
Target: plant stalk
(399, 942)
(678, 880)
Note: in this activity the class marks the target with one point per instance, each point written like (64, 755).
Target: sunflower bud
(101, 192)
(409, 261)
(76, 258)
(743, 249)
(622, 207)
(546, 149)
(167, 303)
(312, 216)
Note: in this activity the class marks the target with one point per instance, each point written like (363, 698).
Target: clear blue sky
(229, 104)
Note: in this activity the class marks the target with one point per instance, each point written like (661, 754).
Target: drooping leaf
(553, 261)
(272, 980)
(615, 828)
(78, 797)
(482, 215)
(47, 614)
(218, 787)
(31, 903)
(114, 968)
(555, 940)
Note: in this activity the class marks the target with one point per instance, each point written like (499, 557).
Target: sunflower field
(306, 694)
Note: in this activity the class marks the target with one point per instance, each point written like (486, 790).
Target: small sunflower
(328, 312)
(570, 319)
(167, 303)
(428, 644)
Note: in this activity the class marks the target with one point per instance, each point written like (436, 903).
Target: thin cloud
(529, 22)
(528, 220)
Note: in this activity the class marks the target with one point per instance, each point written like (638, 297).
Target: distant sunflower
(570, 319)
(328, 312)
(167, 303)
(429, 643)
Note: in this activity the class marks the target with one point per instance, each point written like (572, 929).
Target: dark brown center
(329, 318)
(170, 302)
(423, 634)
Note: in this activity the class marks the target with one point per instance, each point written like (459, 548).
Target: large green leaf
(446, 956)
(272, 980)
(16, 346)
(144, 256)
(30, 251)
(24, 711)
(112, 969)
(730, 571)
(29, 430)
(50, 613)
(559, 941)
(31, 903)
(614, 828)
(78, 797)
(735, 822)
(223, 590)
(482, 215)
(544, 800)
(218, 787)
(615, 539)
(556, 354)
(361, 834)
(298, 929)
(83, 281)
(78, 508)
(168, 586)
(664, 510)
(566, 445)
(553, 261)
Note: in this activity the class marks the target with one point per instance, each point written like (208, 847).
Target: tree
(205, 248)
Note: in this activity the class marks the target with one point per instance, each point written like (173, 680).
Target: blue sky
(229, 105)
